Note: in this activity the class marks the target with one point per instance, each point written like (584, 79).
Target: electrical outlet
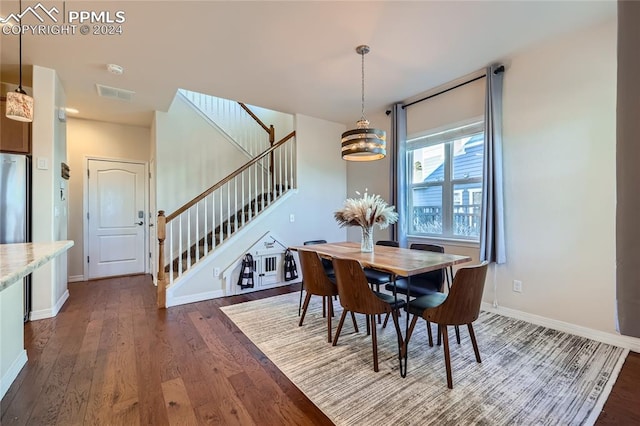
(517, 286)
(292, 218)
(216, 272)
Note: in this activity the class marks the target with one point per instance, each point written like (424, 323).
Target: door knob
(140, 223)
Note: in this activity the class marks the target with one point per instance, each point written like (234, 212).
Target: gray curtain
(492, 239)
(399, 169)
(627, 171)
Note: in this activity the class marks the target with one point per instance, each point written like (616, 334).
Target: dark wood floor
(111, 358)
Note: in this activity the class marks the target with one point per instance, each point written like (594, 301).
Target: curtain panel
(492, 238)
(399, 171)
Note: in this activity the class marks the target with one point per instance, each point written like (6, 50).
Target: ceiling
(289, 56)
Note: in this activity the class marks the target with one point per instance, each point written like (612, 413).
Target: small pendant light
(19, 104)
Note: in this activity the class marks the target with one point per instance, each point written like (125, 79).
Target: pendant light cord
(362, 54)
(20, 48)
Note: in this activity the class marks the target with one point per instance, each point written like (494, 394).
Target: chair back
(434, 278)
(315, 279)
(326, 263)
(462, 305)
(388, 243)
(312, 242)
(353, 288)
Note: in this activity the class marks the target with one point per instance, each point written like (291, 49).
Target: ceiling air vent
(115, 93)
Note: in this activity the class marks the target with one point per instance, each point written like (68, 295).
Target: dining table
(398, 262)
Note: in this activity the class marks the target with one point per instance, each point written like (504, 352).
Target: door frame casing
(85, 208)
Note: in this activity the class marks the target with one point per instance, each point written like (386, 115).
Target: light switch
(42, 163)
(292, 218)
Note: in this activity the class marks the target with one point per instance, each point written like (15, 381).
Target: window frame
(445, 136)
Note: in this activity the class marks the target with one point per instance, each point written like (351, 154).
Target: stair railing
(235, 120)
(208, 220)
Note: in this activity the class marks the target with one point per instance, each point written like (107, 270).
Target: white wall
(321, 191)
(190, 155)
(559, 166)
(89, 138)
(49, 191)
(282, 123)
(371, 175)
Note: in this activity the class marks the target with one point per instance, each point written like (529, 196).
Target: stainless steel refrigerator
(15, 211)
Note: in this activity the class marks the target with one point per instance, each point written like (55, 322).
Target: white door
(116, 218)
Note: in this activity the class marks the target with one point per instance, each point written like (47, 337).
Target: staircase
(207, 222)
(222, 232)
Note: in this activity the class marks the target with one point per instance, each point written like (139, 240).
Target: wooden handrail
(230, 176)
(255, 117)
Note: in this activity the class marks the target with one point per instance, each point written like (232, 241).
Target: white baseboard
(52, 312)
(631, 343)
(75, 278)
(192, 298)
(12, 372)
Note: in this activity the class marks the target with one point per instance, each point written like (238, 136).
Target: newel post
(161, 298)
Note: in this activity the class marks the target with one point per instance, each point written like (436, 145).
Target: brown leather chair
(317, 283)
(461, 306)
(357, 296)
(328, 269)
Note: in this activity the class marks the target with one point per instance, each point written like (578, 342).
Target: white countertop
(19, 260)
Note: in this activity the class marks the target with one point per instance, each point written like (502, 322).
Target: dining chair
(355, 295)
(377, 278)
(421, 284)
(326, 264)
(318, 284)
(459, 307)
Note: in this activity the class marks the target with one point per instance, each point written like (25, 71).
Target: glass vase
(366, 244)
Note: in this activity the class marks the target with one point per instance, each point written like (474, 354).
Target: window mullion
(447, 192)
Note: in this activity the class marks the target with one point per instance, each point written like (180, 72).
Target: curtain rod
(497, 71)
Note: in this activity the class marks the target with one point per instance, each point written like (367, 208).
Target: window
(445, 184)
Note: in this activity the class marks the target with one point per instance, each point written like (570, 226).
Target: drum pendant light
(363, 143)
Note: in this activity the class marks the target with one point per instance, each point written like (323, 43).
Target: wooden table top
(400, 261)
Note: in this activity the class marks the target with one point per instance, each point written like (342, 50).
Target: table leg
(404, 352)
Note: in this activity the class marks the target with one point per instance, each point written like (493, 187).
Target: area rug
(528, 375)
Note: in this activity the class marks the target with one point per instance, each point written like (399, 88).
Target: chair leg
(342, 317)
(473, 342)
(411, 327)
(368, 324)
(439, 335)
(457, 333)
(379, 315)
(355, 323)
(304, 308)
(300, 303)
(330, 314)
(429, 334)
(447, 357)
(386, 319)
(330, 300)
(324, 307)
(374, 342)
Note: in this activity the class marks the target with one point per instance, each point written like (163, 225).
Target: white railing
(209, 220)
(233, 120)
